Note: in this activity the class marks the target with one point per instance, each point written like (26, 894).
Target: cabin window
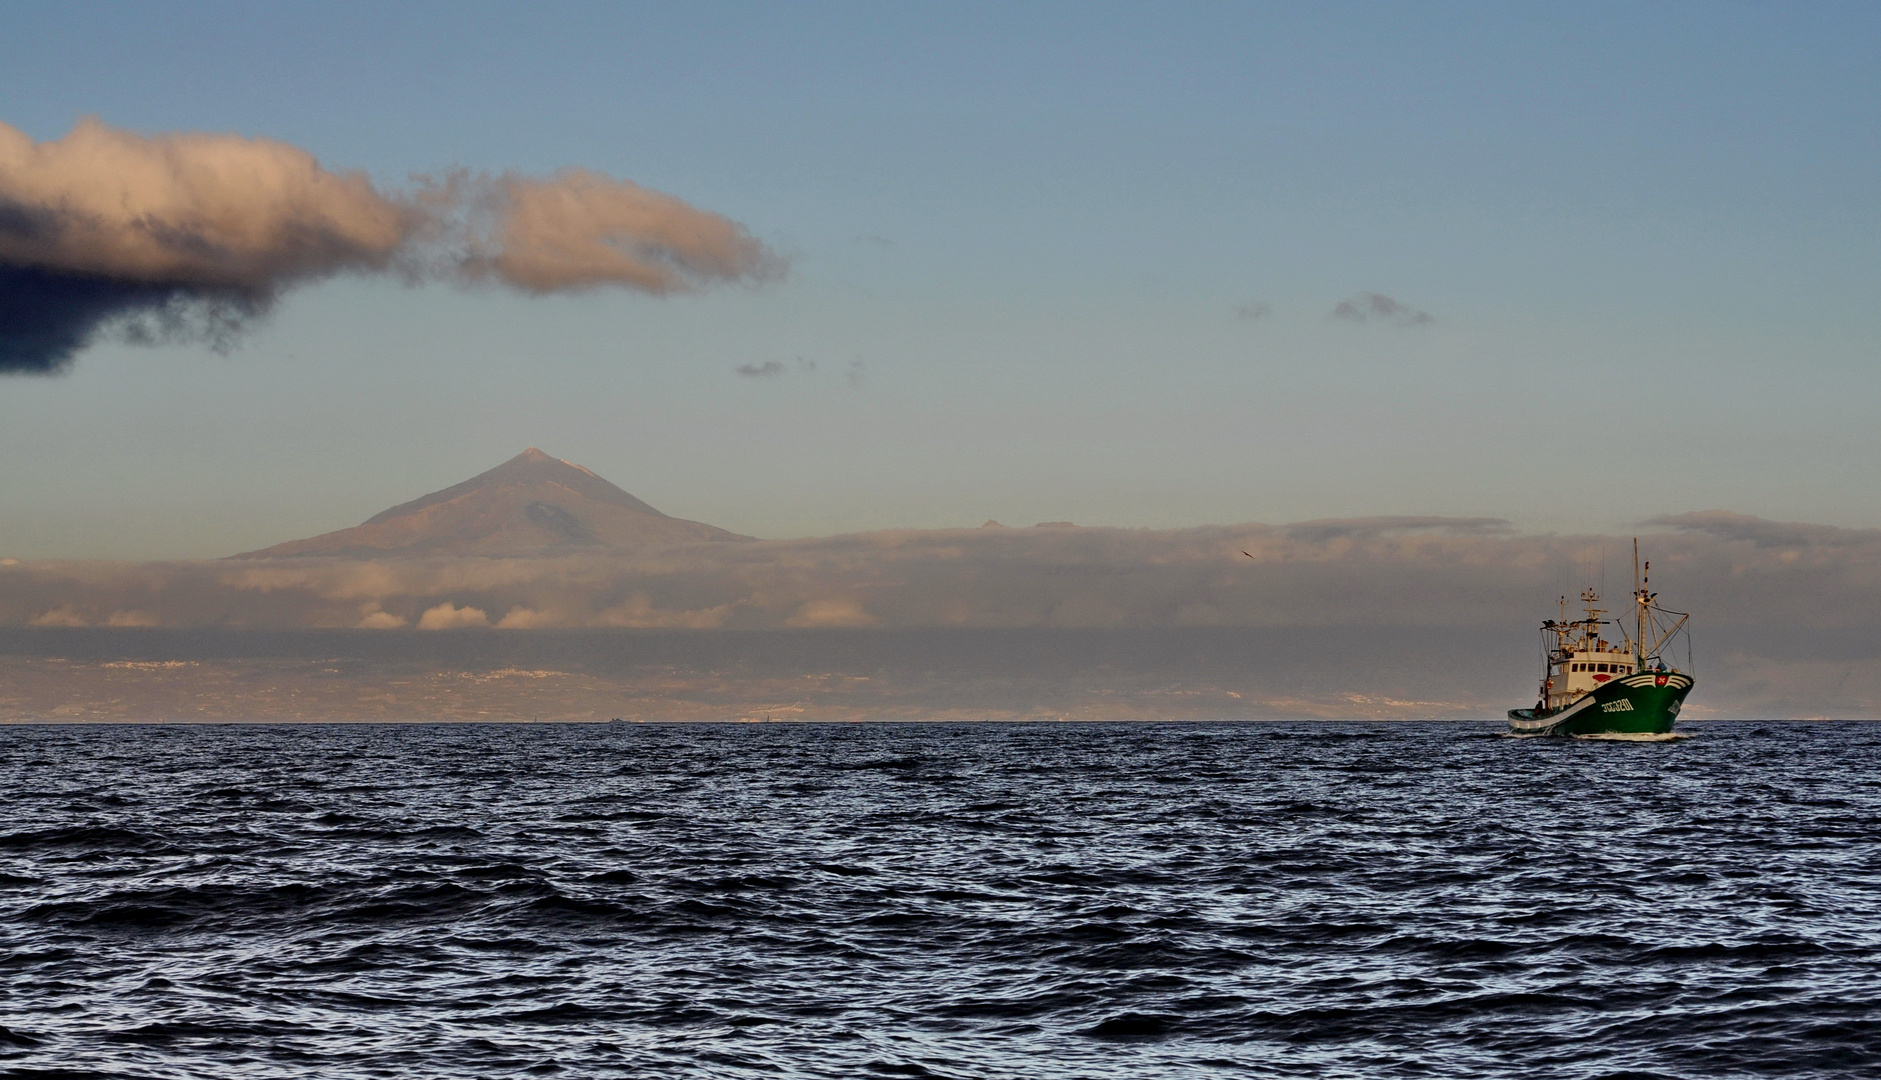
(1606, 667)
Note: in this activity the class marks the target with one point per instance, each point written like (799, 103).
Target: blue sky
(1024, 243)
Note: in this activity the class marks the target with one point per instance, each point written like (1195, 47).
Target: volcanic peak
(532, 504)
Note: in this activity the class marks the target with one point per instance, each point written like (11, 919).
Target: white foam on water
(1635, 736)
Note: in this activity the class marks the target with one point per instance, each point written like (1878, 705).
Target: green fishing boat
(1594, 687)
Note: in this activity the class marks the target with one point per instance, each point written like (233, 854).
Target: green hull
(1646, 703)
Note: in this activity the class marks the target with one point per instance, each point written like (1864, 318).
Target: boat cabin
(1579, 659)
(1579, 672)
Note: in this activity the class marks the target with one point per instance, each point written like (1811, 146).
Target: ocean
(1314, 899)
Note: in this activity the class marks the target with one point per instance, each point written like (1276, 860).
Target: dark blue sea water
(1121, 900)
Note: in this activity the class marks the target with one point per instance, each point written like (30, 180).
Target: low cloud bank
(188, 237)
(1365, 617)
(1730, 570)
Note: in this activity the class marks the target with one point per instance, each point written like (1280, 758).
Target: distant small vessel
(1591, 686)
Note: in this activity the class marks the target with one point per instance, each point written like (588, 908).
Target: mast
(1640, 600)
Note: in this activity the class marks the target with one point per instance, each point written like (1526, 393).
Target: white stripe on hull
(1642, 679)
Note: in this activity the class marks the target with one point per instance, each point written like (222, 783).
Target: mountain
(532, 504)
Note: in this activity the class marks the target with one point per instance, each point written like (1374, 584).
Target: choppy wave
(1122, 900)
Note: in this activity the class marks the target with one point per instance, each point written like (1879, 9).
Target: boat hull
(1645, 703)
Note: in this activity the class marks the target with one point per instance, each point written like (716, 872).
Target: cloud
(522, 618)
(827, 613)
(1377, 307)
(133, 619)
(580, 230)
(771, 369)
(637, 612)
(1372, 527)
(380, 620)
(190, 237)
(1764, 533)
(1253, 310)
(64, 615)
(448, 616)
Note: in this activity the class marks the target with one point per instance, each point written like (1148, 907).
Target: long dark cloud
(1369, 528)
(1764, 533)
(47, 316)
(187, 237)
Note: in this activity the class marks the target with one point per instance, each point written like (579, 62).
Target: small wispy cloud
(1379, 308)
(771, 369)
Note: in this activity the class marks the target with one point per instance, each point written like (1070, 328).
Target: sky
(1575, 266)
